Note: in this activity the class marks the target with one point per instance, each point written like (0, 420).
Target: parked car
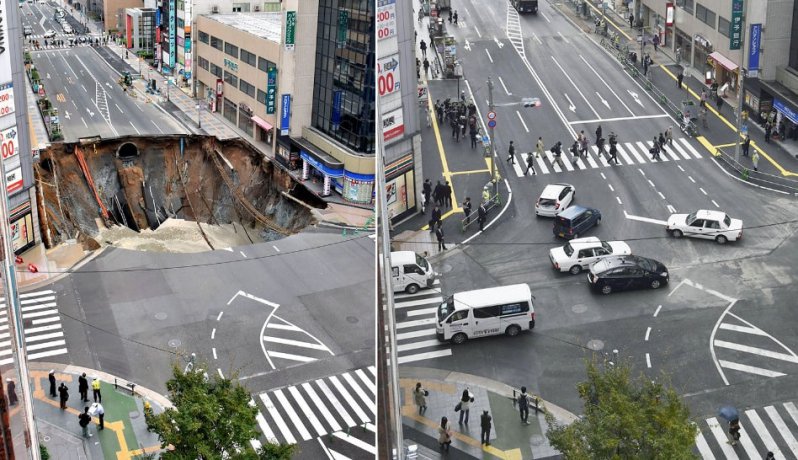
(618, 273)
(554, 199)
(711, 225)
(49, 34)
(27, 30)
(579, 253)
(575, 220)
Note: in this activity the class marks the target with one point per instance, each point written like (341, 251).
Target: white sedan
(49, 34)
(554, 199)
(579, 253)
(711, 225)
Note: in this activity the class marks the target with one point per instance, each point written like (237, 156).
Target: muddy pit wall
(141, 190)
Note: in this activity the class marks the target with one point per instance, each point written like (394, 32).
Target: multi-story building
(727, 39)
(399, 102)
(140, 30)
(111, 12)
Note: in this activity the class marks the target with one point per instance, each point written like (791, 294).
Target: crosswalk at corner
(766, 429)
(629, 154)
(415, 335)
(41, 327)
(340, 408)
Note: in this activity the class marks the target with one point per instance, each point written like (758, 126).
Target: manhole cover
(595, 345)
(445, 268)
(579, 308)
(160, 316)
(352, 319)
(134, 414)
(174, 343)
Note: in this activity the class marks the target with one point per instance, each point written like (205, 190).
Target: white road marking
(792, 444)
(644, 219)
(703, 447)
(242, 254)
(716, 204)
(54, 343)
(213, 334)
(39, 338)
(680, 168)
(417, 345)
(764, 434)
(417, 322)
(792, 410)
(134, 127)
(661, 195)
(45, 354)
(743, 329)
(545, 17)
(489, 56)
(289, 410)
(84, 122)
(671, 209)
(119, 108)
(294, 343)
(505, 87)
(219, 371)
(756, 351)
(691, 179)
(366, 381)
(648, 331)
(478, 33)
(157, 126)
(563, 37)
(600, 120)
(289, 356)
(651, 184)
(220, 315)
(306, 410)
(619, 200)
(648, 361)
(423, 356)
(341, 389)
(356, 442)
(702, 190)
(749, 369)
(278, 419)
(415, 334)
(367, 399)
(522, 120)
(336, 403)
(422, 312)
(284, 327)
(214, 352)
(322, 408)
(610, 186)
(722, 440)
(276, 248)
(415, 303)
(575, 87)
(264, 427)
(535, 36)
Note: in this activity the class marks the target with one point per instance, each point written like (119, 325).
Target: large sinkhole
(176, 194)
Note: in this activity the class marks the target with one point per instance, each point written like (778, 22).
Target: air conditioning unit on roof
(214, 9)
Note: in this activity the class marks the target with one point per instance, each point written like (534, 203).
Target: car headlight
(664, 274)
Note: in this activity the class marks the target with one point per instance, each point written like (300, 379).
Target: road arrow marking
(498, 42)
(467, 45)
(66, 114)
(644, 219)
(635, 96)
(48, 75)
(671, 209)
(571, 105)
(91, 114)
(603, 101)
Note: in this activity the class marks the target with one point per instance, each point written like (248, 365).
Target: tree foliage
(211, 420)
(625, 417)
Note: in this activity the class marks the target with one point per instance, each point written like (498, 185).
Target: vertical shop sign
(736, 25)
(290, 29)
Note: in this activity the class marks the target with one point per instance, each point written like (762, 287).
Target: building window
(262, 96)
(231, 50)
(216, 43)
(245, 87)
(204, 38)
(723, 26)
(687, 5)
(203, 63)
(216, 70)
(248, 57)
(705, 15)
(231, 79)
(230, 111)
(240, 7)
(244, 121)
(264, 64)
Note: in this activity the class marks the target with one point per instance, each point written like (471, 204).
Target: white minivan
(411, 272)
(498, 310)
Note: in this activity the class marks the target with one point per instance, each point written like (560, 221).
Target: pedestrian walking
(455, 17)
(95, 390)
(600, 145)
(539, 148)
(679, 79)
(465, 406)
(473, 132)
(445, 434)
(447, 195)
(556, 149)
(719, 101)
(83, 420)
(51, 379)
(467, 210)
(420, 398)
(654, 150)
(678, 55)
(482, 216)
(434, 218)
(768, 132)
(450, 15)
(702, 114)
(423, 45)
(703, 102)
(83, 388)
(437, 194)
(734, 431)
(511, 153)
(755, 160)
(429, 119)
(426, 67)
(523, 405)
(63, 395)
(746, 144)
(583, 145)
(98, 410)
(661, 141)
(613, 152)
(631, 21)
(439, 236)
(575, 151)
(669, 135)
(655, 42)
(485, 424)
(530, 163)
(11, 392)
(427, 192)
(598, 133)
(770, 456)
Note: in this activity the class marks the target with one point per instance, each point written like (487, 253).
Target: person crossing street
(423, 46)
(511, 153)
(530, 163)
(613, 148)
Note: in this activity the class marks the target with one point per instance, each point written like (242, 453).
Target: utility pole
(743, 72)
(491, 107)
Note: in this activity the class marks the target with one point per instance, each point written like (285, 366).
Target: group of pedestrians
(459, 115)
(62, 393)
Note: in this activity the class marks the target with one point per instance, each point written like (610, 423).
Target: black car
(626, 272)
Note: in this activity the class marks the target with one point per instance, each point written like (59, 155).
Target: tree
(625, 418)
(211, 420)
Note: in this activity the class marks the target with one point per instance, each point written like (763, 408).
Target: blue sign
(338, 100)
(786, 111)
(753, 51)
(285, 114)
(158, 17)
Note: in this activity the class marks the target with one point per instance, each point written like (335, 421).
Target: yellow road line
(708, 145)
(617, 27)
(447, 175)
(475, 171)
(455, 210)
(724, 146)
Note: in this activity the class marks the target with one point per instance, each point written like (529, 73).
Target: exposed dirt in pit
(155, 192)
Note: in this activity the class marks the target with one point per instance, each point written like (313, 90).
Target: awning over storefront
(724, 61)
(262, 123)
(784, 100)
(320, 159)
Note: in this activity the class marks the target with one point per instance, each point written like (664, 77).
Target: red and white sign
(393, 125)
(14, 180)
(668, 14)
(219, 87)
(388, 80)
(386, 19)
(7, 99)
(8, 143)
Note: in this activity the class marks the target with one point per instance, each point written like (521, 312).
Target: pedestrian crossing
(743, 348)
(336, 406)
(629, 154)
(285, 344)
(42, 330)
(772, 428)
(415, 333)
(356, 443)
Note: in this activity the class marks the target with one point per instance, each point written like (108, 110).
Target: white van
(411, 272)
(499, 310)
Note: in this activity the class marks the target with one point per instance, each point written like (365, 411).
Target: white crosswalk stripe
(326, 406)
(771, 428)
(743, 348)
(629, 154)
(416, 338)
(287, 344)
(37, 308)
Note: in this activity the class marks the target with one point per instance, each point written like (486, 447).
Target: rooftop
(266, 25)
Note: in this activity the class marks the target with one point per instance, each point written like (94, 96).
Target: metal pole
(199, 119)
(491, 107)
(739, 111)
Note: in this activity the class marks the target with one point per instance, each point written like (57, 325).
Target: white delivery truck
(498, 310)
(411, 272)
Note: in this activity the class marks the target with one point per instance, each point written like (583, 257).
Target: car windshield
(690, 218)
(546, 202)
(646, 264)
(445, 309)
(727, 220)
(568, 249)
(422, 262)
(606, 246)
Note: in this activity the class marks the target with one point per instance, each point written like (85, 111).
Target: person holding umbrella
(730, 414)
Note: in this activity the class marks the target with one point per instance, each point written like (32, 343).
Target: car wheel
(677, 233)
(606, 289)
(459, 338)
(576, 269)
(721, 239)
(598, 222)
(655, 284)
(412, 289)
(513, 331)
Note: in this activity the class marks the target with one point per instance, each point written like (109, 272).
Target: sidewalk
(125, 434)
(509, 438)
(49, 265)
